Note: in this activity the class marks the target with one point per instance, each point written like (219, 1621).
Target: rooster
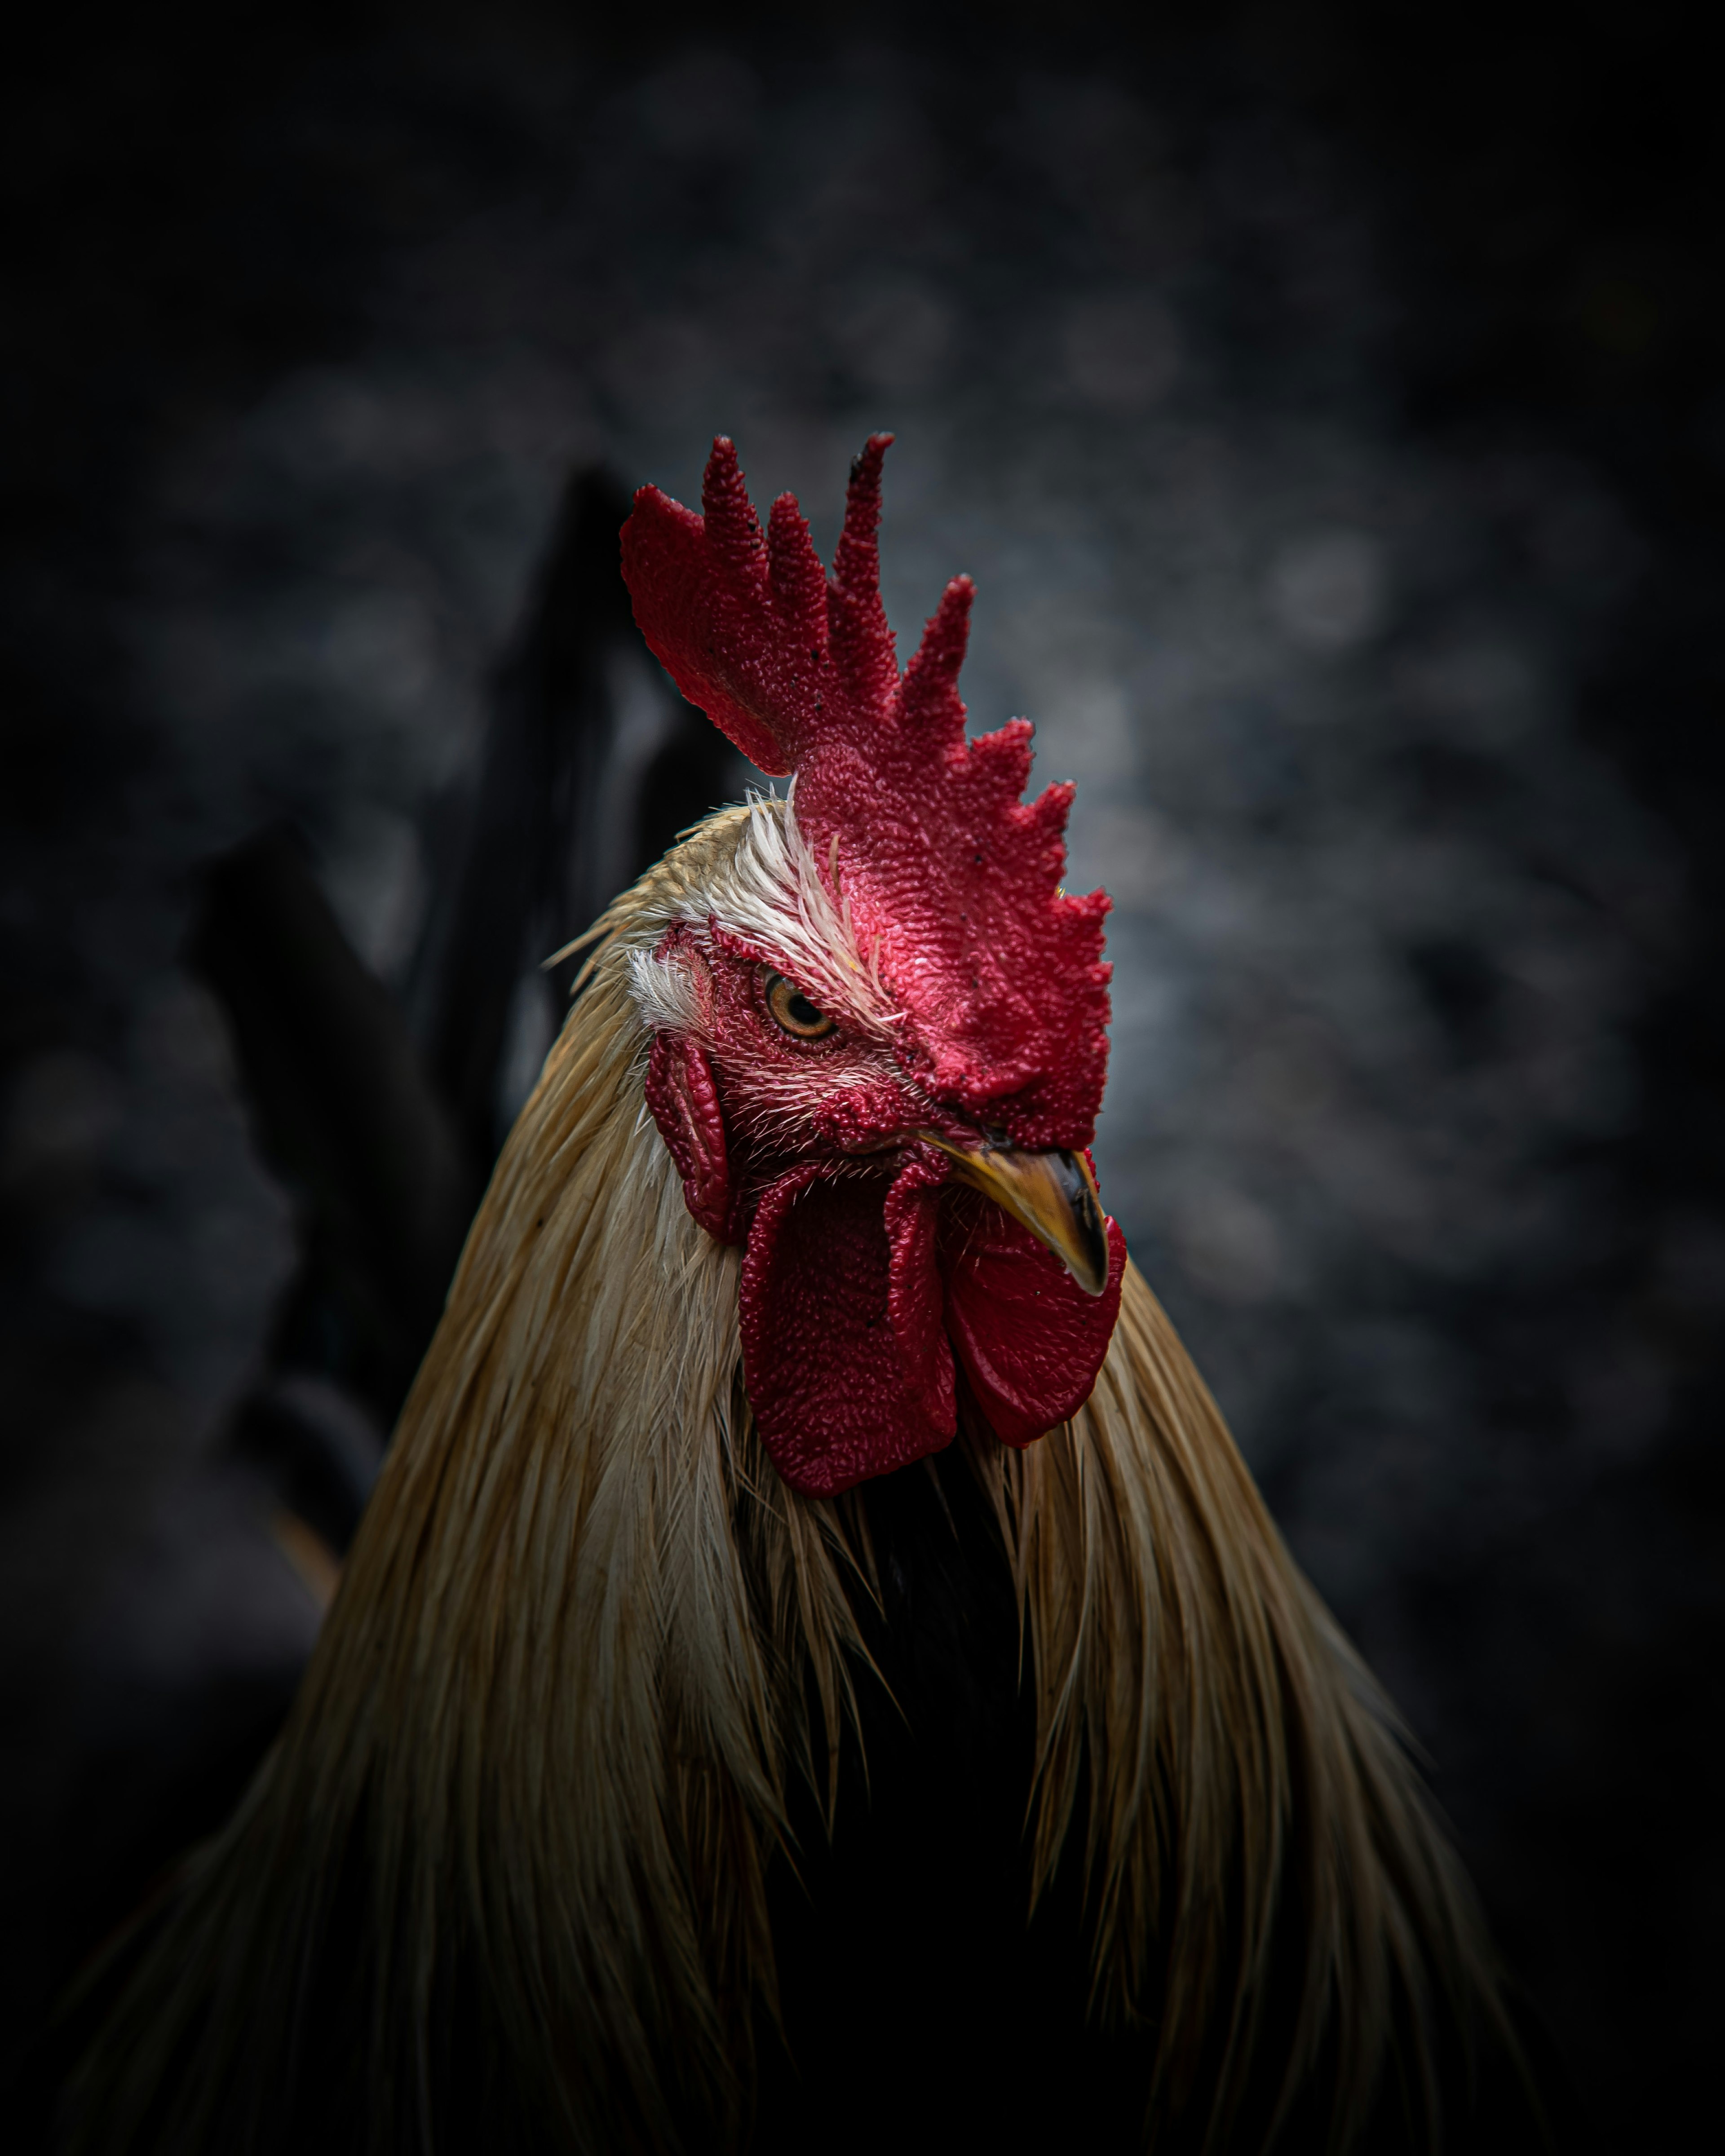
(815, 1672)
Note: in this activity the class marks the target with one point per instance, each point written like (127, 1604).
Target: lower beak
(1053, 1194)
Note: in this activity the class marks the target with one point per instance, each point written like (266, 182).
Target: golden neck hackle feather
(550, 1724)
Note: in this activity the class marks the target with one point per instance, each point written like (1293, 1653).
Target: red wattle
(1030, 1339)
(844, 1359)
(913, 1289)
(855, 1292)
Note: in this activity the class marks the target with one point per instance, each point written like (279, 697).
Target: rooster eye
(792, 1010)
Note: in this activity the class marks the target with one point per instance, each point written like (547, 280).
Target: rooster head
(879, 1029)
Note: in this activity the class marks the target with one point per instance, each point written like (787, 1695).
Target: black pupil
(802, 1011)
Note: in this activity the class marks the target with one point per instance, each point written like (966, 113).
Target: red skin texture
(868, 1278)
(1002, 976)
(685, 1103)
(1030, 1339)
(839, 1392)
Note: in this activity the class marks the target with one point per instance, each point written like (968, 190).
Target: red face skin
(871, 1288)
(869, 1281)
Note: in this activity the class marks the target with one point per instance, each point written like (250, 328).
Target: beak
(1053, 1194)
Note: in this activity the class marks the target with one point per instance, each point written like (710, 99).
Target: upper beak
(1053, 1194)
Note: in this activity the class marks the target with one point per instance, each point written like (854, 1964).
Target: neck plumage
(510, 1854)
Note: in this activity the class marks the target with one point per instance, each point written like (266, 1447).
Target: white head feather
(771, 892)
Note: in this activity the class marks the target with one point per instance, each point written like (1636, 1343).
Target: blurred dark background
(1330, 401)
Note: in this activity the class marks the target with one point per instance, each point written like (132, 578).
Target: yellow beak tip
(1053, 1194)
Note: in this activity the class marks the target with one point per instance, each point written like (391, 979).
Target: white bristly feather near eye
(772, 895)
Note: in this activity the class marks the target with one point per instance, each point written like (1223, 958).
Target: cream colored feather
(551, 1722)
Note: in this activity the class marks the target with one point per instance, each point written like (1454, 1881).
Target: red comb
(939, 856)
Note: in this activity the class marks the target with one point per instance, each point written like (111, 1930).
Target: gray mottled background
(1329, 406)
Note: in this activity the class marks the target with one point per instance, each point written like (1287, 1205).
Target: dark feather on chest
(923, 2007)
(920, 2005)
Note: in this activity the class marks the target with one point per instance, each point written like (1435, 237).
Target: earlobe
(684, 1101)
